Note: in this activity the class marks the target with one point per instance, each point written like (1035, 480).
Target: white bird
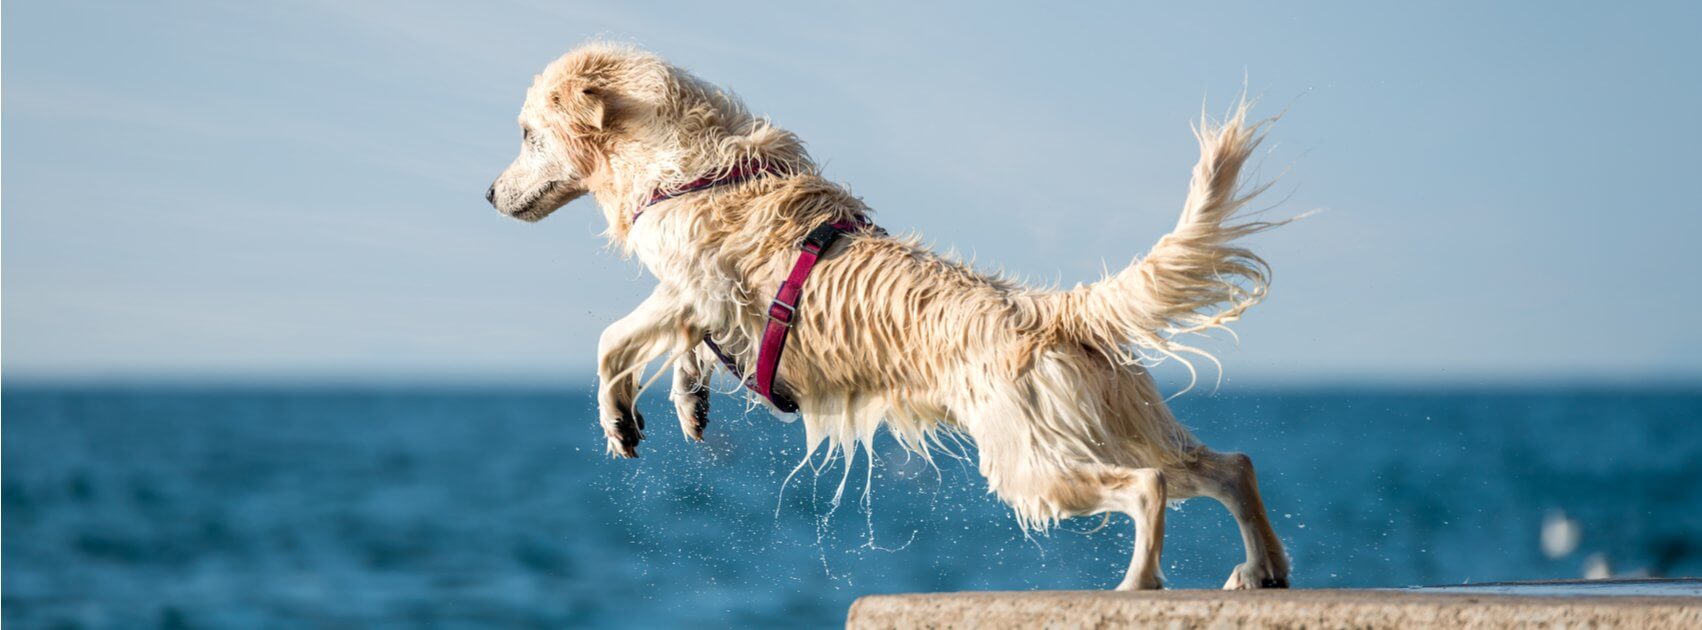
(1597, 567)
(1560, 535)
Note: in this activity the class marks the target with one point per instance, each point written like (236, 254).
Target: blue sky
(293, 190)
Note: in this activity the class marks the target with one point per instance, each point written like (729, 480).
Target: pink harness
(742, 172)
(783, 311)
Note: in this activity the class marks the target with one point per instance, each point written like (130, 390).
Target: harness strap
(739, 173)
(782, 312)
(784, 309)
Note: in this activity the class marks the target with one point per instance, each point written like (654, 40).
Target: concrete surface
(1602, 604)
(1658, 587)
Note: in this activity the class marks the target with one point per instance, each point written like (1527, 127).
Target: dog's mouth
(546, 199)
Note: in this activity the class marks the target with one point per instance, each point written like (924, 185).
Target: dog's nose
(490, 194)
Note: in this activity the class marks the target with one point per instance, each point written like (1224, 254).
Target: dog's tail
(1196, 278)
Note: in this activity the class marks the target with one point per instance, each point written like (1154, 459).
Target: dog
(1051, 386)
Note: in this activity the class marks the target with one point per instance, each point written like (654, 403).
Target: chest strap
(782, 312)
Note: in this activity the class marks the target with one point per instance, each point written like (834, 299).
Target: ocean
(228, 507)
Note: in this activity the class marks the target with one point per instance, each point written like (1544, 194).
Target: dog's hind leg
(1228, 478)
(691, 392)
(1140, 493)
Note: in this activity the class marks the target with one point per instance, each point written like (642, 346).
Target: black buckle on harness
(821, 238)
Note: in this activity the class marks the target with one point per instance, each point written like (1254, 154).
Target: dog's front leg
(691, 391)
(626, 346)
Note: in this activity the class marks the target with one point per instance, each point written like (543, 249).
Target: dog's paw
(624, 431)
(1247, 577)
(693, 409)
(1154, 583)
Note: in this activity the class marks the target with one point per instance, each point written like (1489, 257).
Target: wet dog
(1051, 386)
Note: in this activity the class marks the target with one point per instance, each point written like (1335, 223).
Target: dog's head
(575, 115)
(621, 123)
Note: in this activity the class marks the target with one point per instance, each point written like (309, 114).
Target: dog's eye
(526, 134)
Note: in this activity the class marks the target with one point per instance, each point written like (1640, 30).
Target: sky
(293, 190)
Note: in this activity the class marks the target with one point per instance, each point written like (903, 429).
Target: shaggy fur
(1050, 386)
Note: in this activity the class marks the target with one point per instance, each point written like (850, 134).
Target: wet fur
(1050, 385)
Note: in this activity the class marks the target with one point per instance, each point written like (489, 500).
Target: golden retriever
(1051, 386)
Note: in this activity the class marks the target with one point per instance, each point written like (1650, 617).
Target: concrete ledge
(1411, 608)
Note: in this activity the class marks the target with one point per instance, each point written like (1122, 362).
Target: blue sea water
(219, 507)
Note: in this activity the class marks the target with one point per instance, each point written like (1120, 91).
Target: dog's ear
(586, 108)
